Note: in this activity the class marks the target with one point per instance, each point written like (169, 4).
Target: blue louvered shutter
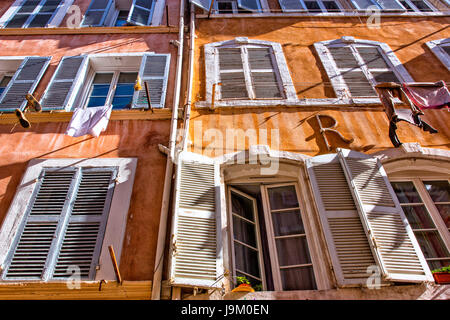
(97, 13)
(204, 4)
(141, 12)
(155, 71)
(24, 81)
(64, 225)
(65, 83)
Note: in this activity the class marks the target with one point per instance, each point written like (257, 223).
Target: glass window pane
(283, 197)
(437, 264)
(313, 6)
(128, 77)
(444, 211)
(422, 6)
(96, 102)
(298, 279)
(93, 18)
(287, 223)
(431, 244)
(17, 21)
(40, 21)
(242, 206)
(244, 231)
(5, 81)
(122, 18)
(331, 6)
(100, 90)
(253, 282)
(124, 89)
(121, 102)
(246, 260)
(406, 192)
(144, 3)
(29, 6)
(439, 190)
(103, 78)
(50, 6)
(140, 16)
(292, 251)
(418, 217)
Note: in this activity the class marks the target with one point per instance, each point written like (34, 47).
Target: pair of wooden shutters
(362, 220)
(63, 230)
(71, 72)
(25, 80)
(100, 12)
(361, 67)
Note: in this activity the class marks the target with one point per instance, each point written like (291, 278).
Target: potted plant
(243, 285)
(442, 275)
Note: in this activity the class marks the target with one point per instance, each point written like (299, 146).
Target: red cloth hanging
(426, 96)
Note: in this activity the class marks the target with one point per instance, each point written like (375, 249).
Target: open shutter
(24, 81)
(204, 4)
(32, 248)
(65, 83)
(155, 71)
(232, 76)
(97, 13)
(392, 240)
(291, 5)
(363, 222)
(263, 73)
(352, 74)
(83, 237)
(251, 5)
(196, 251)
(141, 12)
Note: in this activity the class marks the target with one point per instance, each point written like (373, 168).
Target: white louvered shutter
(291, 5)
(263, 73)
(363, 222)
(155, 71)
(354, 77)
(251, 5)
(97, 13)
(196, 251)
(389, 233)
(232, 76)
(24, 81)
(141, 12)
(376, 64)
(204, 4)
(64, 225)
(65, 83)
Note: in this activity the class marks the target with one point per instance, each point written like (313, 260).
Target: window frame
(279, 63)
(323, 9)
(440, 227)
(436, 46)
(334, 73)
(117, 218)
(54, 21)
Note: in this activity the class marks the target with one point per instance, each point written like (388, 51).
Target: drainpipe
(170, 151)
(187, 112)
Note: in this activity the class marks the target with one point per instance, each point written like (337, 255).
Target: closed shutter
(141, 12)
(24, 81)
(263, 73)
(377, 65)
(204, 4)
(65, 83)
(251, 5)
(351, 72)
(97, 13)
(155, 71)
(232, 76)
(64, 226)
(363, 222)
(291, 5)
(196, 252)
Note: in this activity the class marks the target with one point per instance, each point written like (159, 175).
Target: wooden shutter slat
(24, 81)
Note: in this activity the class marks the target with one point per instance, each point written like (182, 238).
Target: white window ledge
(356, 13)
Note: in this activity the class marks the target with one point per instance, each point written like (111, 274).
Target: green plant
(258, 287)
(444, 269)
(242, 280)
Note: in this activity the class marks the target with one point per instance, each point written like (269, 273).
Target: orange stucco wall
(298, 132)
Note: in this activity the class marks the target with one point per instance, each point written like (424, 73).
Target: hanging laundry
(91, 121)
(428, 96)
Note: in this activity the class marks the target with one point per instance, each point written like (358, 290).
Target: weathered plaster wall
(131, 138)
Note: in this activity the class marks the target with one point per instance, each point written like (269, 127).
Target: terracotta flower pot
(441, 277)
(243, 287)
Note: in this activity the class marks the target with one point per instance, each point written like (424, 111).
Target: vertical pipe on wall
(159, 257)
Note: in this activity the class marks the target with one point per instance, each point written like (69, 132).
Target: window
(35, 13)
(123, 12)
(270, 246)
(19, 76)
(441, 49)
(417, 6)
(98, 80)
(65, 215)
(244, 69)
(395, 5)
(426, 204)
(314, 6)
(236, 6)
(354, 67)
